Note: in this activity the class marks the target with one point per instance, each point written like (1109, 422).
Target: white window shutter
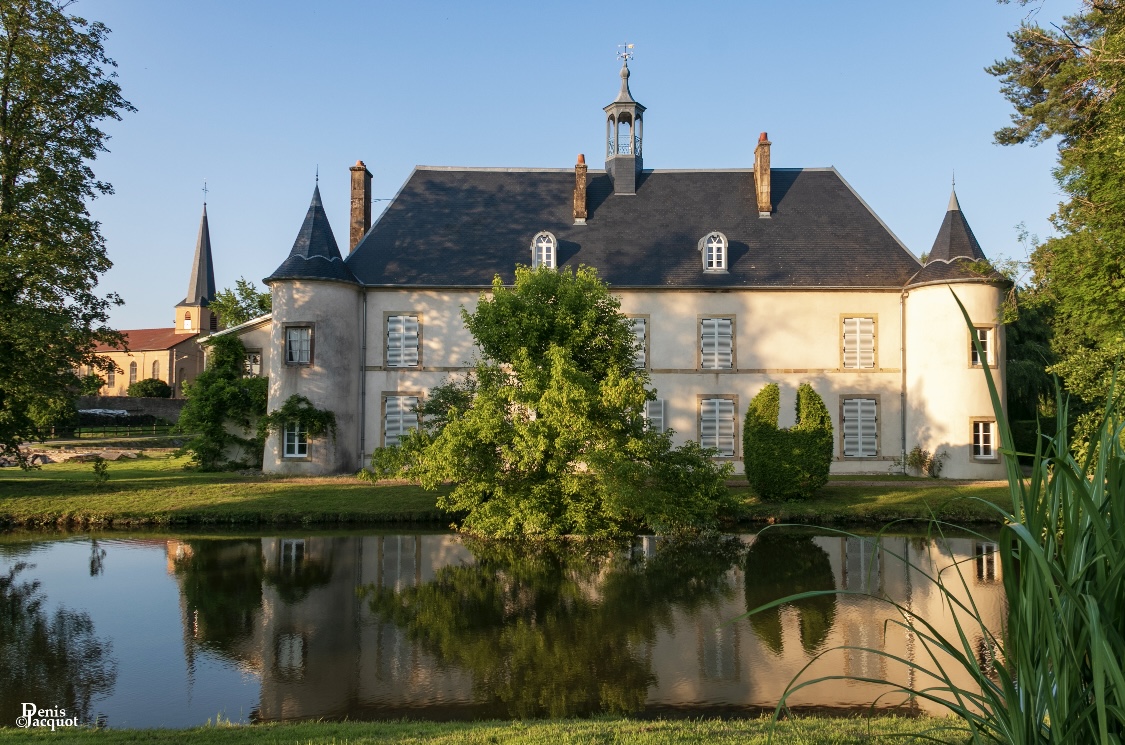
(654, 415)
(859, 343)
(716, 344)
(402, 341)
(860, 428)
(400, 417)
(640, 331)
(716, 425)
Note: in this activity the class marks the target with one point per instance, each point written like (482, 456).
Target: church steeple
(624, 127)
(192, 314)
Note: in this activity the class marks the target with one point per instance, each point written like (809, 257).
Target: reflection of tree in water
(54, 660)
(780, 564)
(549, 630)
(222, 586)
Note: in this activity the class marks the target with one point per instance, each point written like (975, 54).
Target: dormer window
(713, 247)
(543, 250)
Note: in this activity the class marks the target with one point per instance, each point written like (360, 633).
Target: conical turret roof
(201, 284)
(955, 238)
(315, 254)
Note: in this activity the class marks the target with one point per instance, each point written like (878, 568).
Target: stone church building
(732, 278)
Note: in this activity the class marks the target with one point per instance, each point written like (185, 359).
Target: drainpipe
(363, 382)
(902, 368)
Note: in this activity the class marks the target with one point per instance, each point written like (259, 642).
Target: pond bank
(159, 491)
(809, 730)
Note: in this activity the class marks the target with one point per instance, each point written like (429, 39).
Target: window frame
(722, 266)
(699, 319)
(285, 343)
(990, 348)
(187, 321)
(877, 398)
(844, 317)
(383, 396)
(551, 262)
(248, 368)
(661, 417)
(155, 369)
(300, 437)
(647, 336)
(700, 398)
(111, 377)
(132, 372)
(387, 316)
(993, 436)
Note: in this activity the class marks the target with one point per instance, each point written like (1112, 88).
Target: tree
(243, 303)
(1064, 83)
(547, 436)
(149, 388)
(222, 402)
(787, 463)
(56, 86)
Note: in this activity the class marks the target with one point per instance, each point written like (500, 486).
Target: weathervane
(204, 191)
(626, 52)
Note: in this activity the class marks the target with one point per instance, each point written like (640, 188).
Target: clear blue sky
(252, 96)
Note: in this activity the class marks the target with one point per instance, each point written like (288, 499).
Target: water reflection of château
(290, 610)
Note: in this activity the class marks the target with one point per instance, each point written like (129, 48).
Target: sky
(255, 97)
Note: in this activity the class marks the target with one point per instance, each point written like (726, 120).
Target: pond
(169, 630)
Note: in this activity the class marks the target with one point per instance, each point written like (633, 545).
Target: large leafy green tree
(241, 304)
(547, 436)
(56, 87)
(1065, 83)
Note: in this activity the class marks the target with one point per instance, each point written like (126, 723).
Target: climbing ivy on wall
(787, 463)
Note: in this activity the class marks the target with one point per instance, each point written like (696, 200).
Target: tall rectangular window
(861, 427)
(716, 425)
(400, 415)
(298, 345)
(111, 377)
(984, 357)
(253, 364)
(859, 343)
(654, 415)
(640, 342)
(296, 441)
(402, 341)
(984, 439)
(716, 343)
(156, 368)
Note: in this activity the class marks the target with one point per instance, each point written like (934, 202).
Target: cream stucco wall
(331, 381)
(945, 393)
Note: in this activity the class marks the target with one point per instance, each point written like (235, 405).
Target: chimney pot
(762, 176)
(580, 191)
(361, 204)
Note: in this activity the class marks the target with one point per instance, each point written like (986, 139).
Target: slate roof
(315, 254)
(201, 285)
(457, 227)
(955, 238)
(141, 340)
(956, 270)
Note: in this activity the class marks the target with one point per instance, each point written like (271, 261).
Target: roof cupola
(624, 127)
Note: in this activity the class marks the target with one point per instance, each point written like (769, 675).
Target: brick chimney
(580, 190)
(361, 204)
(762, 175)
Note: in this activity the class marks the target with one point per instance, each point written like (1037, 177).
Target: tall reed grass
(1055, 672)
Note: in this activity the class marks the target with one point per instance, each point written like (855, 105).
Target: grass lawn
(803, 730)
(158, 491)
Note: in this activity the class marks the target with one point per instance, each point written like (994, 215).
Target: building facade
(732, 279)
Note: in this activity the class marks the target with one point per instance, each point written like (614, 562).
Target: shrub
(149, 388)
(787, 463)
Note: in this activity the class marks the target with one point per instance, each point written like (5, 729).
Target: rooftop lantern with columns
(624, 127)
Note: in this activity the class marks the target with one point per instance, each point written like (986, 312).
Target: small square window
(984, 440)
(984, 356)
(298, 345)
(296, 441)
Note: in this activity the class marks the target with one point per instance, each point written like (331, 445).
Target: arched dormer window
(713, 248)
(543, 249)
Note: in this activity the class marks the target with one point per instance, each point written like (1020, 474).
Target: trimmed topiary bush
(149, 388)
(787, 463)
